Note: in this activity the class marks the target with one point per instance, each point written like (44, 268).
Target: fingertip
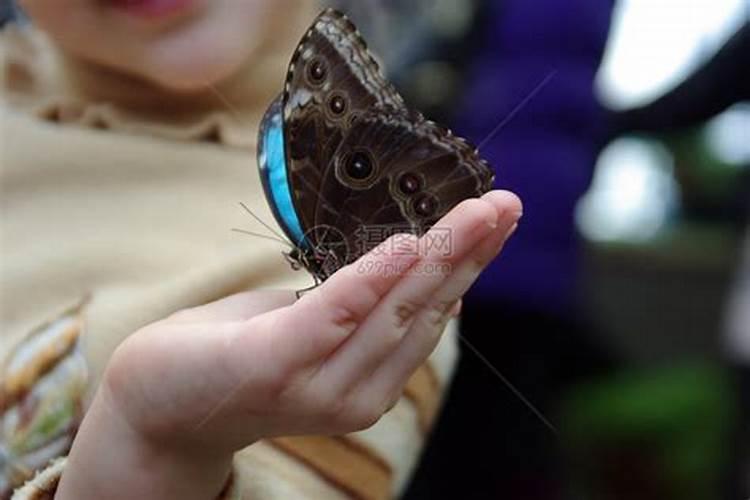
(479, 209)
(505, 202)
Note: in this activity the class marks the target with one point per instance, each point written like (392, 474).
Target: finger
(456, 310)
(429, 323)
(426, 330)
(466, 271)
(382, 332)
(317, 324)
(237, 307)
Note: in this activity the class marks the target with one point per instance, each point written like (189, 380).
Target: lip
(152, 9)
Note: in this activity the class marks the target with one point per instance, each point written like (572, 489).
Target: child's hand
(185, 392)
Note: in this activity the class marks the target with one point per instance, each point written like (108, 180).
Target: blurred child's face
(179, 44)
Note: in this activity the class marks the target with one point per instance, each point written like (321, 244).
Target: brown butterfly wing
(392, 172)
(332, 79)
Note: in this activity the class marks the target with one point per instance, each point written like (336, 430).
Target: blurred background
(621, 308)
(617, 308)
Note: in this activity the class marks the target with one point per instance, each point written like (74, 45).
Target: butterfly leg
(293, 260)
(300, 293)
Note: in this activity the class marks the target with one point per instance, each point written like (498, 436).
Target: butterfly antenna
(232, 109)
(526, 100)
(516, 392)
(252, 214)
(235, 112)
(518, 108)
(264, 236)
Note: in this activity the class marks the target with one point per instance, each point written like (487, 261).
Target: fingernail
(511, 230)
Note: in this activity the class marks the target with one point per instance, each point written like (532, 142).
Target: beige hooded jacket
(117, 204)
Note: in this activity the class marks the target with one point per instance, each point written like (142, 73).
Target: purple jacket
(547, 151)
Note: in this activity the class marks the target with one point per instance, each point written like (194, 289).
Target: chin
(191, 63)
(190, 76)
(188, 80)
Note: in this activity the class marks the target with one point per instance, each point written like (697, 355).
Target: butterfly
(345, 164)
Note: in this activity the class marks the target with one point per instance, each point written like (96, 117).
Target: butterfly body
(345, 164)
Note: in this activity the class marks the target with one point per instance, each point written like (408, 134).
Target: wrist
(111, 459)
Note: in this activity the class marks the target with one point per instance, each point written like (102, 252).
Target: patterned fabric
(44, 485)
(42, 384)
